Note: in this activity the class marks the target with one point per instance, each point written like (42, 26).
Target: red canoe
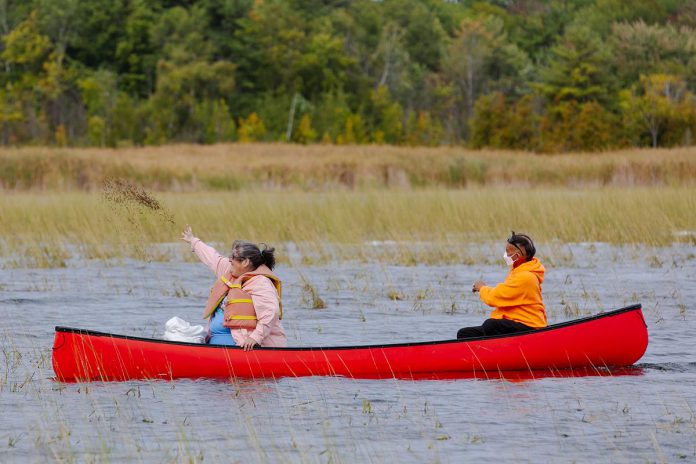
(608, 340)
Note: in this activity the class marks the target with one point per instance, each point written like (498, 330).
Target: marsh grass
(310, 295)
(401, 227)
(256, 167)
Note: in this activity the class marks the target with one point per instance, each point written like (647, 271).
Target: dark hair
(521, 240)
(246, 250)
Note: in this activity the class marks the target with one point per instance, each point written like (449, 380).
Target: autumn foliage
(552, 76)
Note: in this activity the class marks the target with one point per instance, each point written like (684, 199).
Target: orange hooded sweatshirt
(519, 297)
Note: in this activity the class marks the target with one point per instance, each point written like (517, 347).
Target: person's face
(516, 254)
(239, 266)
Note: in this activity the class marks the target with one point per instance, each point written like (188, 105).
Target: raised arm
(219, 264)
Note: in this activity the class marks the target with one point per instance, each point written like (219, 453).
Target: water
(647, 417)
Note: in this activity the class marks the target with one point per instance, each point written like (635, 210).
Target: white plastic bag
(178, 330)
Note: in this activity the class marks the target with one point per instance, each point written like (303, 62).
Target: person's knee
(462, 333)
(469, 332)
(490, 327)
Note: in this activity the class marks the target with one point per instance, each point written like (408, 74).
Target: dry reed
(393, 226)
(237, 167)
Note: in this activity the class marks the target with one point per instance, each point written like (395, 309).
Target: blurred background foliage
(542, 76)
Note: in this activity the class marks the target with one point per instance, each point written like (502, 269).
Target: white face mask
(508, 259)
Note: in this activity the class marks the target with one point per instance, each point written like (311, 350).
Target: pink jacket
(268, 331)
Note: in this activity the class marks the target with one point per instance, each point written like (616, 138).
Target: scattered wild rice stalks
(124, 193)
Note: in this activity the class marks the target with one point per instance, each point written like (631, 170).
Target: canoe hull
(614, 339)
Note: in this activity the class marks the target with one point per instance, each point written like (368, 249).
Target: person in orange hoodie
(518, 304)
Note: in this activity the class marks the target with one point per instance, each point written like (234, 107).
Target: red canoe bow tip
(58, 341)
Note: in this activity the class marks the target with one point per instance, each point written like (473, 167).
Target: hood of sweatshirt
(534, 266)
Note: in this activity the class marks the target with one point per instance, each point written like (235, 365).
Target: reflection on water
(517, 376)
(643, 413)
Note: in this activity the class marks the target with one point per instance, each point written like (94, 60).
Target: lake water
(648, 416)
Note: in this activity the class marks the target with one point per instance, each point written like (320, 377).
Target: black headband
(525, 241)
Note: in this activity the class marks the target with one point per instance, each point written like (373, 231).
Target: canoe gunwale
(94, 333)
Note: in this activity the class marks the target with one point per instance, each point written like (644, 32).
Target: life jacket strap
(241, 318)
(230, 284)
(240, 300)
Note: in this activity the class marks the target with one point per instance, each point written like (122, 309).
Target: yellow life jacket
(239, 312)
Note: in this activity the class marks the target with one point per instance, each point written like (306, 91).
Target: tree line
(544, 76)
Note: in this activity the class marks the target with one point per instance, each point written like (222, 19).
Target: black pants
(493, 327)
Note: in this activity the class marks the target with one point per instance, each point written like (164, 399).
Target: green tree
(212, 122)
(10, 119)
(480, 59)
(180, 89)
(25, 46)
(290, 54)
(305, 133)
(25, 52)
(648, 49)
(251, 129)
(354, 131)
(179, 35)
(536, 26)
(579, 70)
(594, 128)
(135, 57)
(386, 117)
(421, 129)
(330, 115)
(188, 79)
(99, 93)
(662, 107)
(490, 117)
(95, 28)
(502, 123)
(601, 15)
(424, 36)
(571, 126)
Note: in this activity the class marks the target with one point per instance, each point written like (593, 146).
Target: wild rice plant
(405, 227)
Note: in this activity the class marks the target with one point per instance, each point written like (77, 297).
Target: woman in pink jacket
(245, 258)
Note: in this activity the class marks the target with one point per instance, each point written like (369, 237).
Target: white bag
(178, 330)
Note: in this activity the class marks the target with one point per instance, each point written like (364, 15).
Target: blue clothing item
(219, 334)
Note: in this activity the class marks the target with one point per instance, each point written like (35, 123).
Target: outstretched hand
(187, 234)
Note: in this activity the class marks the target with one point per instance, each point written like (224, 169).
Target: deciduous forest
(543, 76)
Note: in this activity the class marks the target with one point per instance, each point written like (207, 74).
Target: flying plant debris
(130, 196)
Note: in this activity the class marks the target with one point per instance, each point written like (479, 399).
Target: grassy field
(263, 167)
(429, 226)
(409, 205)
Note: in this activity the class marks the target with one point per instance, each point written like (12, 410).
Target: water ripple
(669, 367)
(19, 301)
